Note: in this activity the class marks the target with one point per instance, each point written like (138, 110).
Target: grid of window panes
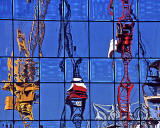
(92, 29)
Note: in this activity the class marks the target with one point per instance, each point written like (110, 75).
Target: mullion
(39, 66)
(89, 97)
(114, 64)
(139, 58)
(80, 20)
(83, 120)
(91, 58)
(152, 58)
(85, 82)
(13, 57)
(64, 58)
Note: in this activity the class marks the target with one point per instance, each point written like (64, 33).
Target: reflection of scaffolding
(106, 114)
(151, 90)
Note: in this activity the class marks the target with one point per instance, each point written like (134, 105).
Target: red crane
(124, 34)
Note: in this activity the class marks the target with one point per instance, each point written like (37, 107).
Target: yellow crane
(26, 78)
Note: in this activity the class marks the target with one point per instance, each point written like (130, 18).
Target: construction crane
(26, 74)
(23, 90)
(124, 35)
(77, 93)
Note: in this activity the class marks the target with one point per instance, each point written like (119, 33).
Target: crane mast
(26, 74)
(124, 35)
